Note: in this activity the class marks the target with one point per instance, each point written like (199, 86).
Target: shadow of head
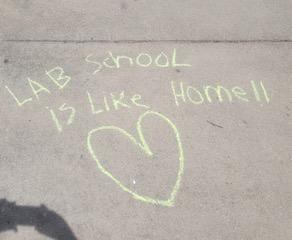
(44, 220)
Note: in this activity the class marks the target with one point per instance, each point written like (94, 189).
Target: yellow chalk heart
(145, 148)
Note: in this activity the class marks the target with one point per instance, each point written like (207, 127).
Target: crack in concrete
(129, 41)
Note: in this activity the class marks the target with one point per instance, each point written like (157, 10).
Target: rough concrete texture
(152, 19)
(231, 149)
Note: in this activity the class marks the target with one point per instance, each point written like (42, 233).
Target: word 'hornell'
(217, 93)
(161, 60)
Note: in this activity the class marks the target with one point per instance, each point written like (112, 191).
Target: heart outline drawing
(145, 148)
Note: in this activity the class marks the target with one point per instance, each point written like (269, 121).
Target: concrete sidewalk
(144, 120)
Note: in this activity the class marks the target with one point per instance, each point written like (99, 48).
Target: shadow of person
(44, 220)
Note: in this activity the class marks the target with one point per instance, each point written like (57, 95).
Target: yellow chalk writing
(115, 102)
(162, 60)
(184, 93)
(218, 90)
(57, 76)
(63, 108)
(142, 144)
(99, 65)
(37, 88)
(19, 102)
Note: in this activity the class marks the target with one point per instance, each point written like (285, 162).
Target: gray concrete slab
(147, 20)
(236, 182)
(142, 120)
